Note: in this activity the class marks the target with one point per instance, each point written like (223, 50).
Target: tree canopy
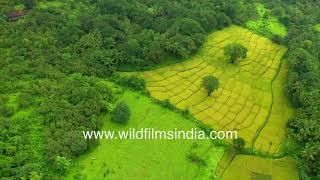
(234, 51)
(210, 84)
(122, 113)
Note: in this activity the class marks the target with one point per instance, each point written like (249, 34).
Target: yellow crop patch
(244, 97)
(251, 167)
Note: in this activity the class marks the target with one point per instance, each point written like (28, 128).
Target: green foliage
(194, 158)
(19, 146)
(40, 54)
(167, 104)
(6, 111)
(36, 176)
(29, 4)
(239, 144)
(303, 83)
(235, 51)
(56, 39)
(186, 113)
(121, 113)
(133, 82)
(24, 100)
(210, 83)
(77, 104)
(268, 25)
(62, 164)
(316, 28)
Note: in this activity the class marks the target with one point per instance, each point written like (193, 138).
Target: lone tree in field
(210, 83)
(121, 113)
(235, 51)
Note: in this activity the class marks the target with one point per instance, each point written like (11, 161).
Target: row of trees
(303, 83)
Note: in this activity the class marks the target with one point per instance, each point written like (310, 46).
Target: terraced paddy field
(256, 168)
(148, 159)
(272, 135)
(244, 99)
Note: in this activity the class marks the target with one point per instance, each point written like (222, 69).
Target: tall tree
(235, 51)
(210, 83)
(122, 113)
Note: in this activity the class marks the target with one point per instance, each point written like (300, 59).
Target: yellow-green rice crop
(244, 98)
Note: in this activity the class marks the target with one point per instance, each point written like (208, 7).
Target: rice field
(257, 168)
(244, 99)
(273, 134)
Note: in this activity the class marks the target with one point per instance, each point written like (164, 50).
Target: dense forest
(303, 84)
(51, 58)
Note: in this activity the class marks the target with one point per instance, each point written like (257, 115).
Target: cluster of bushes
(132, 82)
(76, 104)
(20, 155)
(20, 150)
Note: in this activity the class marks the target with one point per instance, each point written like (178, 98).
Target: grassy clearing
(148, 159)
(256, 168)
(266, 25)
(244, 97)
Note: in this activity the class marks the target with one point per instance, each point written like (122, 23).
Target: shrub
(24, 100)
(239, 144)
(6, 111)
(133, 82)
(167, 104)
(193, 157)
(3, 99)
(186, 112)
(62, 164)
(122, 113)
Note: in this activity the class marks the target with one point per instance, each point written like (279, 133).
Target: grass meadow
(148, 159)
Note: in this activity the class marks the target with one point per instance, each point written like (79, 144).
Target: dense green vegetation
(266, 22)
(303, 84)
(55, 39)
(50, 59)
